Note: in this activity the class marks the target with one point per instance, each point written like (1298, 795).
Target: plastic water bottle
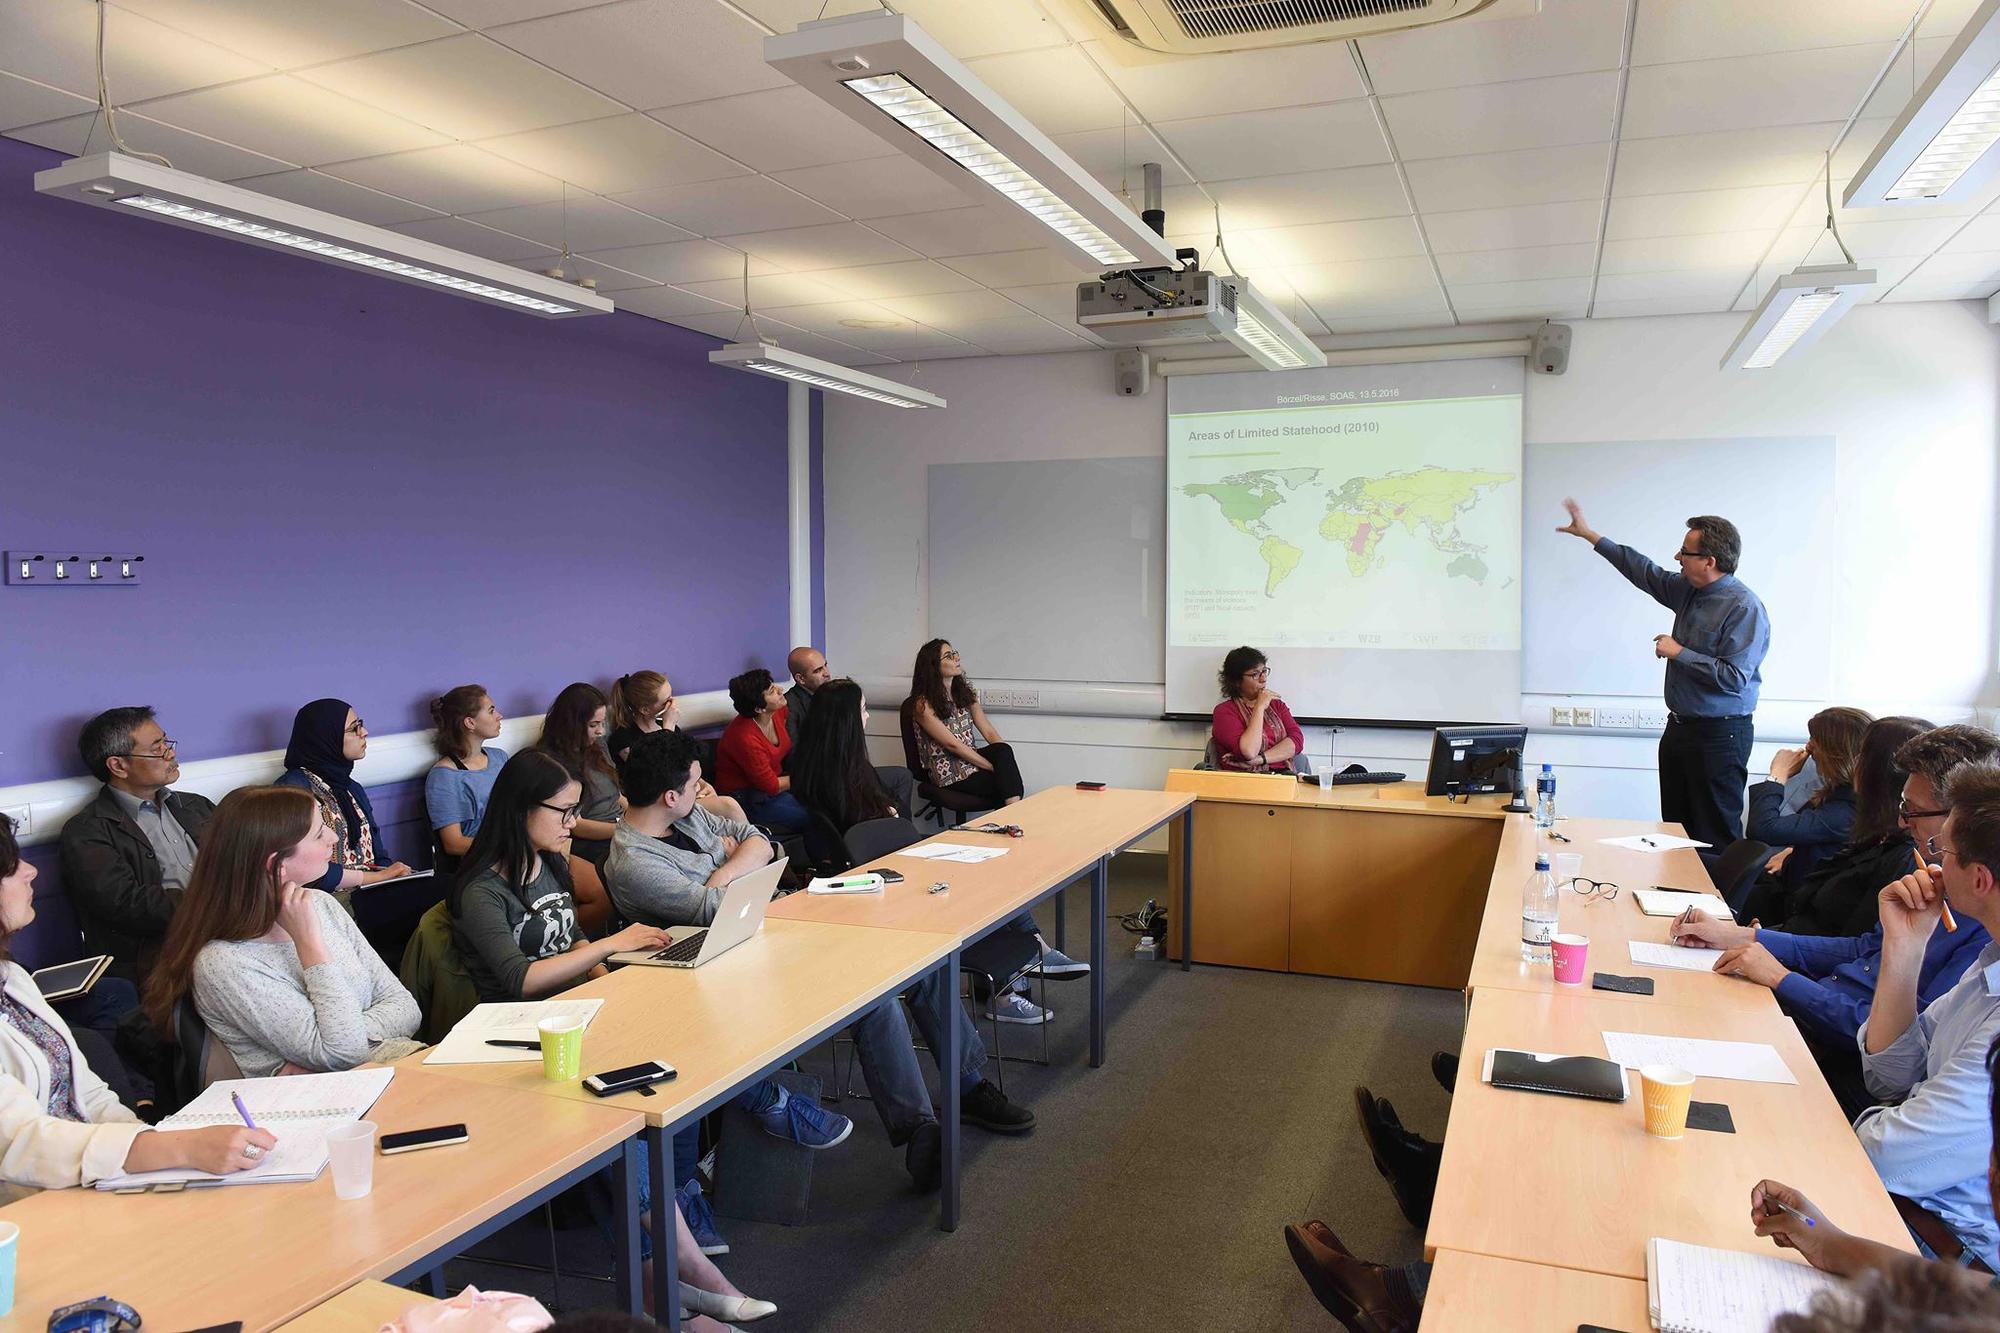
(1545, 797)
(1539, 901)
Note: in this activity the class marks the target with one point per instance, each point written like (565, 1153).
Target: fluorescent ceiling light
(1264, 331)
(126, 184)
(889, 75)
(770, 359)
(1800, 307)
(1941, 146)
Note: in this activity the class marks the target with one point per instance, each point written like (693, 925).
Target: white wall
(1908, 390)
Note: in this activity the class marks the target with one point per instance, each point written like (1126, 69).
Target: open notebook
(299, 1109)
(1695, 1289)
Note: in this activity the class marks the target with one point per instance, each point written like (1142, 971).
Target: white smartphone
(614, 1081)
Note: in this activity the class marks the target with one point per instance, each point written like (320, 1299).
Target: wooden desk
(1381, 883)
(1580, 1184)
(268, 1253)
(1477, 1291)
(1496, 958)
(362, 1308)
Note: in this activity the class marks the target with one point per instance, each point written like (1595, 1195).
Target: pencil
(1944, 908)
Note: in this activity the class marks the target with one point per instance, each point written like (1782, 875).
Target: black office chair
(950, 807)
(824, 845)
(199, 1059)
(1735, 871)
(878, 837)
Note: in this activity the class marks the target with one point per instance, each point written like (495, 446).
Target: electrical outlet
(23, 817)
(1562, 717)
(1652, 719)
(1617, 717)
(1586, 717)
(1012, 698)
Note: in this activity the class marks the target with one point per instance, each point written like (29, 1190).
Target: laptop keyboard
(682, 951)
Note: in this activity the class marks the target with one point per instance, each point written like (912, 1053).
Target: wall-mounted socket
(1012, 698)
(1562, 717)
(1653, 719)
(23, 817)
(1617, 717)
(1586, 717)
(88, 568)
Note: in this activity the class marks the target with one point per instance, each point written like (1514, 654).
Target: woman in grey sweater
(279, 971)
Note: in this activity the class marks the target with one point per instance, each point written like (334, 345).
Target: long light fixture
(1266, 334)
(892, 77)
(1941, 146)
(1800, 307)
(125, 184)
(763, 358)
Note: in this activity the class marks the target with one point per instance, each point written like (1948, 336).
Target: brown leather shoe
(1353, 1291)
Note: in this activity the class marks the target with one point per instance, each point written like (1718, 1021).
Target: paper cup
(562, 1048)
(351, 1151)
(1570, 953)
(10, 1245)
(1568, 866)
(1666, 1090)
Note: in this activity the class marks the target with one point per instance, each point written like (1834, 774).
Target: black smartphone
(888, 876)
(1090, 786)
(614, 1081)
(410, 1140)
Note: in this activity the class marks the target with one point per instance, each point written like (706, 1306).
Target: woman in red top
(750, 757)
(1254, 731)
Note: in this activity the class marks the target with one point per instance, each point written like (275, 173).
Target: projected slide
(1360, 525)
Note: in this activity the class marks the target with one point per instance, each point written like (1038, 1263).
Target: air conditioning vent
(1195, 27)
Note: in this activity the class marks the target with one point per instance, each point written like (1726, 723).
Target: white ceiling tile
(1323, 243)
(683, 261)
(779, 129)
(1913, 65)
(916, 277)
(947, 310)
(492, 13)
(651, 53)
(586, 222)
(286, 33)
(1114, 157)
(1340, 291)
(1714, 29)
(1020, 336)
(188, 152)
(24, 102)
(1523, 227)
(1917, 236)
(669, 303)
(1889, 271)
(883, 186)
(1946, 17)
(1665, 305)
(333, 195)
(609, 279)
(1288, 201)
(1502, 180)
(1535, 295)
(283, 116)
(1783, 88)
(1503, 117)
(866, 325)
(809, 249)
(1169, 87)
(1394, 321)
(1981, 266)
(1766, 206)
(1565, 37)
(467, 87)
(769, 290)
(1059, 90)
(457, 178)
(1653, 254)
(1981, 233)
(964, 231)
(726, 326)
(965, 30)
(616, 155)
(1546, 261)
(1019, 268)
(831, 349)
(738, 204)
(1271, 143)
(1950, 291)
(474, 239)
(54, 42)
(1053, 301)
(1717, 287)
(1725, 159)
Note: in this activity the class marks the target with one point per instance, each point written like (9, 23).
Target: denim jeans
(782, 812)
(889, 1064)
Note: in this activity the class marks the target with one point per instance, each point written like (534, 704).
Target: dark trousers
(94, 1019)
(999, 786)
(1704, 767)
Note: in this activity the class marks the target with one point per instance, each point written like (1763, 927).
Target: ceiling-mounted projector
(1165, 305)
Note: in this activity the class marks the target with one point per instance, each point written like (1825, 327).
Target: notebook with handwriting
(299, 1109)
(1695, 1289)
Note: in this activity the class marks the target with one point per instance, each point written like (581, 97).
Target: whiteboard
(1050, 569)
(1587, 631)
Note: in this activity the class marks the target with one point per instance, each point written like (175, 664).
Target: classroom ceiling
(1599, 158)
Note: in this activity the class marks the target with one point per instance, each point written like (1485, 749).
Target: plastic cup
(562, 1048)
(351, 1149)
(1568, 866)
(10, 1245)
(1570, 952)
(1666, 1090)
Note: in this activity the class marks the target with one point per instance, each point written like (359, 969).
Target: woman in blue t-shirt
(455, 791)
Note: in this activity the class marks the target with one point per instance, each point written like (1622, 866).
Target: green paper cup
(562, 1048)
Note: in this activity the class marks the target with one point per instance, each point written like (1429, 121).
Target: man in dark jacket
(128, 855)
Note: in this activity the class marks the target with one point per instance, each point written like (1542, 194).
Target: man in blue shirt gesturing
(1715, 657)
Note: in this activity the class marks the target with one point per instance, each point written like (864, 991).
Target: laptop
(737, 918)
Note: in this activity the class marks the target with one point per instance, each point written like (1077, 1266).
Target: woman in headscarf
(328, 737)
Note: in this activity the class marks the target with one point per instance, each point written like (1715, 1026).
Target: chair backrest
(911, 760)
(825, 848)
(878, 837)
(1211, 754)
(1736, 870)
(433, 972)
(199, 1059)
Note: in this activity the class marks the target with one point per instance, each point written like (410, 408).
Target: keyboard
(1359, 779)
(682, 951)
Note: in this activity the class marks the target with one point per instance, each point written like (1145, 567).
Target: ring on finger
(252, 1151)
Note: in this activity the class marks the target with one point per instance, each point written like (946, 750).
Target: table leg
(1187, 890)
(1100, 893)
(1062, 920)
(434, 1283)
(666, 1233)
(949, 1059)
(626, 1265)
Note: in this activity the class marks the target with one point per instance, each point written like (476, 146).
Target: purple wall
(350, 486)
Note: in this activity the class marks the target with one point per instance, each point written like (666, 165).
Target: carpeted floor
(1151, 1193)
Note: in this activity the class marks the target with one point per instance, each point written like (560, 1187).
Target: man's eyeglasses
(1594, 889)
(1904, 812)
(165, 750)
(1689, 555)
(1935, 851)
(569, 813)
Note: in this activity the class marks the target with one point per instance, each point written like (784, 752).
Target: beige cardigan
(37, 1148)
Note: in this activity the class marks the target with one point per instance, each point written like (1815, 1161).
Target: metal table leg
(949, 1060)
(666, 1235)
(626, 1265)
(1062, 920)
(1100, 893)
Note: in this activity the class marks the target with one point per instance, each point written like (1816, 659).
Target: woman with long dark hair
(950, 724)
(1826, 821)
(573, 731)
(1839, 896)
(328, 740)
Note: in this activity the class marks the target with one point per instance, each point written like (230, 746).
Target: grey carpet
(1152, 1192)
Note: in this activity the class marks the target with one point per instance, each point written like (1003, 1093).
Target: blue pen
(1794, 1212)
(242, 1110)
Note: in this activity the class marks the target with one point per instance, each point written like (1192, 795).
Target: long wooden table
(265, 1254)
(1477, 1291)
(362, 1308)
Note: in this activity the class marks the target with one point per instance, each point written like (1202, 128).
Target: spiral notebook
(1695, 1289)
(299, 1109)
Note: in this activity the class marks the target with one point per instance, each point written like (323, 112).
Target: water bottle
(1545, 797)
(1538, 913)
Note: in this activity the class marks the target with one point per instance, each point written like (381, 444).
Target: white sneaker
(1012, 1008)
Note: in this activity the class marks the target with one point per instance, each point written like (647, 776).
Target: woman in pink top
(1253, 729)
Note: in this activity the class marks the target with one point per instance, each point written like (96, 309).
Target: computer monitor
(1466, 761)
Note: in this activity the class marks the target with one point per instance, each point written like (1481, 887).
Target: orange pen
(1944, 908)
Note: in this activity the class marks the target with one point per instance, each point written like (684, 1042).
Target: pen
(1944, 907)
(861, 883)
(1559, 837)
(514, 1045)
(242, 1110)
(1648, 841)
(1787, 1208)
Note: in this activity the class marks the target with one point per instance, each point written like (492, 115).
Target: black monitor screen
(1470, 760)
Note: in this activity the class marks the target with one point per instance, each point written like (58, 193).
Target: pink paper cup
(1570, 953)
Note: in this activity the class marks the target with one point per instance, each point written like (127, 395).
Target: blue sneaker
(804, 1121)
(700, 1218)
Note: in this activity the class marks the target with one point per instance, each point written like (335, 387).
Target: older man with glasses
(127, 856)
